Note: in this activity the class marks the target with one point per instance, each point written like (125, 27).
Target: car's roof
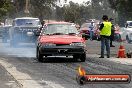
(129, 21)
(26, 18)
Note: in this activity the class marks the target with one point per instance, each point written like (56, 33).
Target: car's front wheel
(39, 56)
(75, 57)
(83, 57)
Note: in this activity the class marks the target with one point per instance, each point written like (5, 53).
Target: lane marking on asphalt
(24, 80)
(126, 61)
(53, 85)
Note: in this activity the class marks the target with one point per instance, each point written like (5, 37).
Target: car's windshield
(20, 22)
(130, 24)
(60, 29)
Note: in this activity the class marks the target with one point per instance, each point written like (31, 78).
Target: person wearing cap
(105, 32)
(39, 29)
(42, 23)
(112, 33)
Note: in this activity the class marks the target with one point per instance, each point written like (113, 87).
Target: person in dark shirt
(41, 28)
(42, 23)
(112, 33)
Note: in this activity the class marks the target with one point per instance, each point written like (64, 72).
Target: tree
(37, 8)
(79, 13)
(123, 8)
(5, 7)
(60, 13)
(72, 12)
(100, 8)
(42, 8)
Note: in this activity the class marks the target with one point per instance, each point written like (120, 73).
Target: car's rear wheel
(39, 56)
(75, 57)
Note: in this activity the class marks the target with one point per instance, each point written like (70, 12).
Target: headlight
(77, 44)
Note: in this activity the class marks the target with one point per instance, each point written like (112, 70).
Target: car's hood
(26, 27)
(60, 39)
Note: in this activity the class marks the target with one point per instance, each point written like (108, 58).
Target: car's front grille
(62, 44)
(26, 29)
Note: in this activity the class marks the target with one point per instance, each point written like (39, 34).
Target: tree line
(119, 10)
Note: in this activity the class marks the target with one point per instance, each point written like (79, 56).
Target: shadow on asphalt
(58, 60)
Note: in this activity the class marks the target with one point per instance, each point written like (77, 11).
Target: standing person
(117, 33)
(39, 30)
(105, 32)
(112, 33)
(42, 26)
(42, 23)
(91, 30)
(77, 26)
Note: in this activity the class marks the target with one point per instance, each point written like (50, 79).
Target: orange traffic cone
(121, 52)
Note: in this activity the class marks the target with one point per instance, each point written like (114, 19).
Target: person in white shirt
(91, 30)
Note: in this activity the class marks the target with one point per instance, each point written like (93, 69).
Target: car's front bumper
(61, 50)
